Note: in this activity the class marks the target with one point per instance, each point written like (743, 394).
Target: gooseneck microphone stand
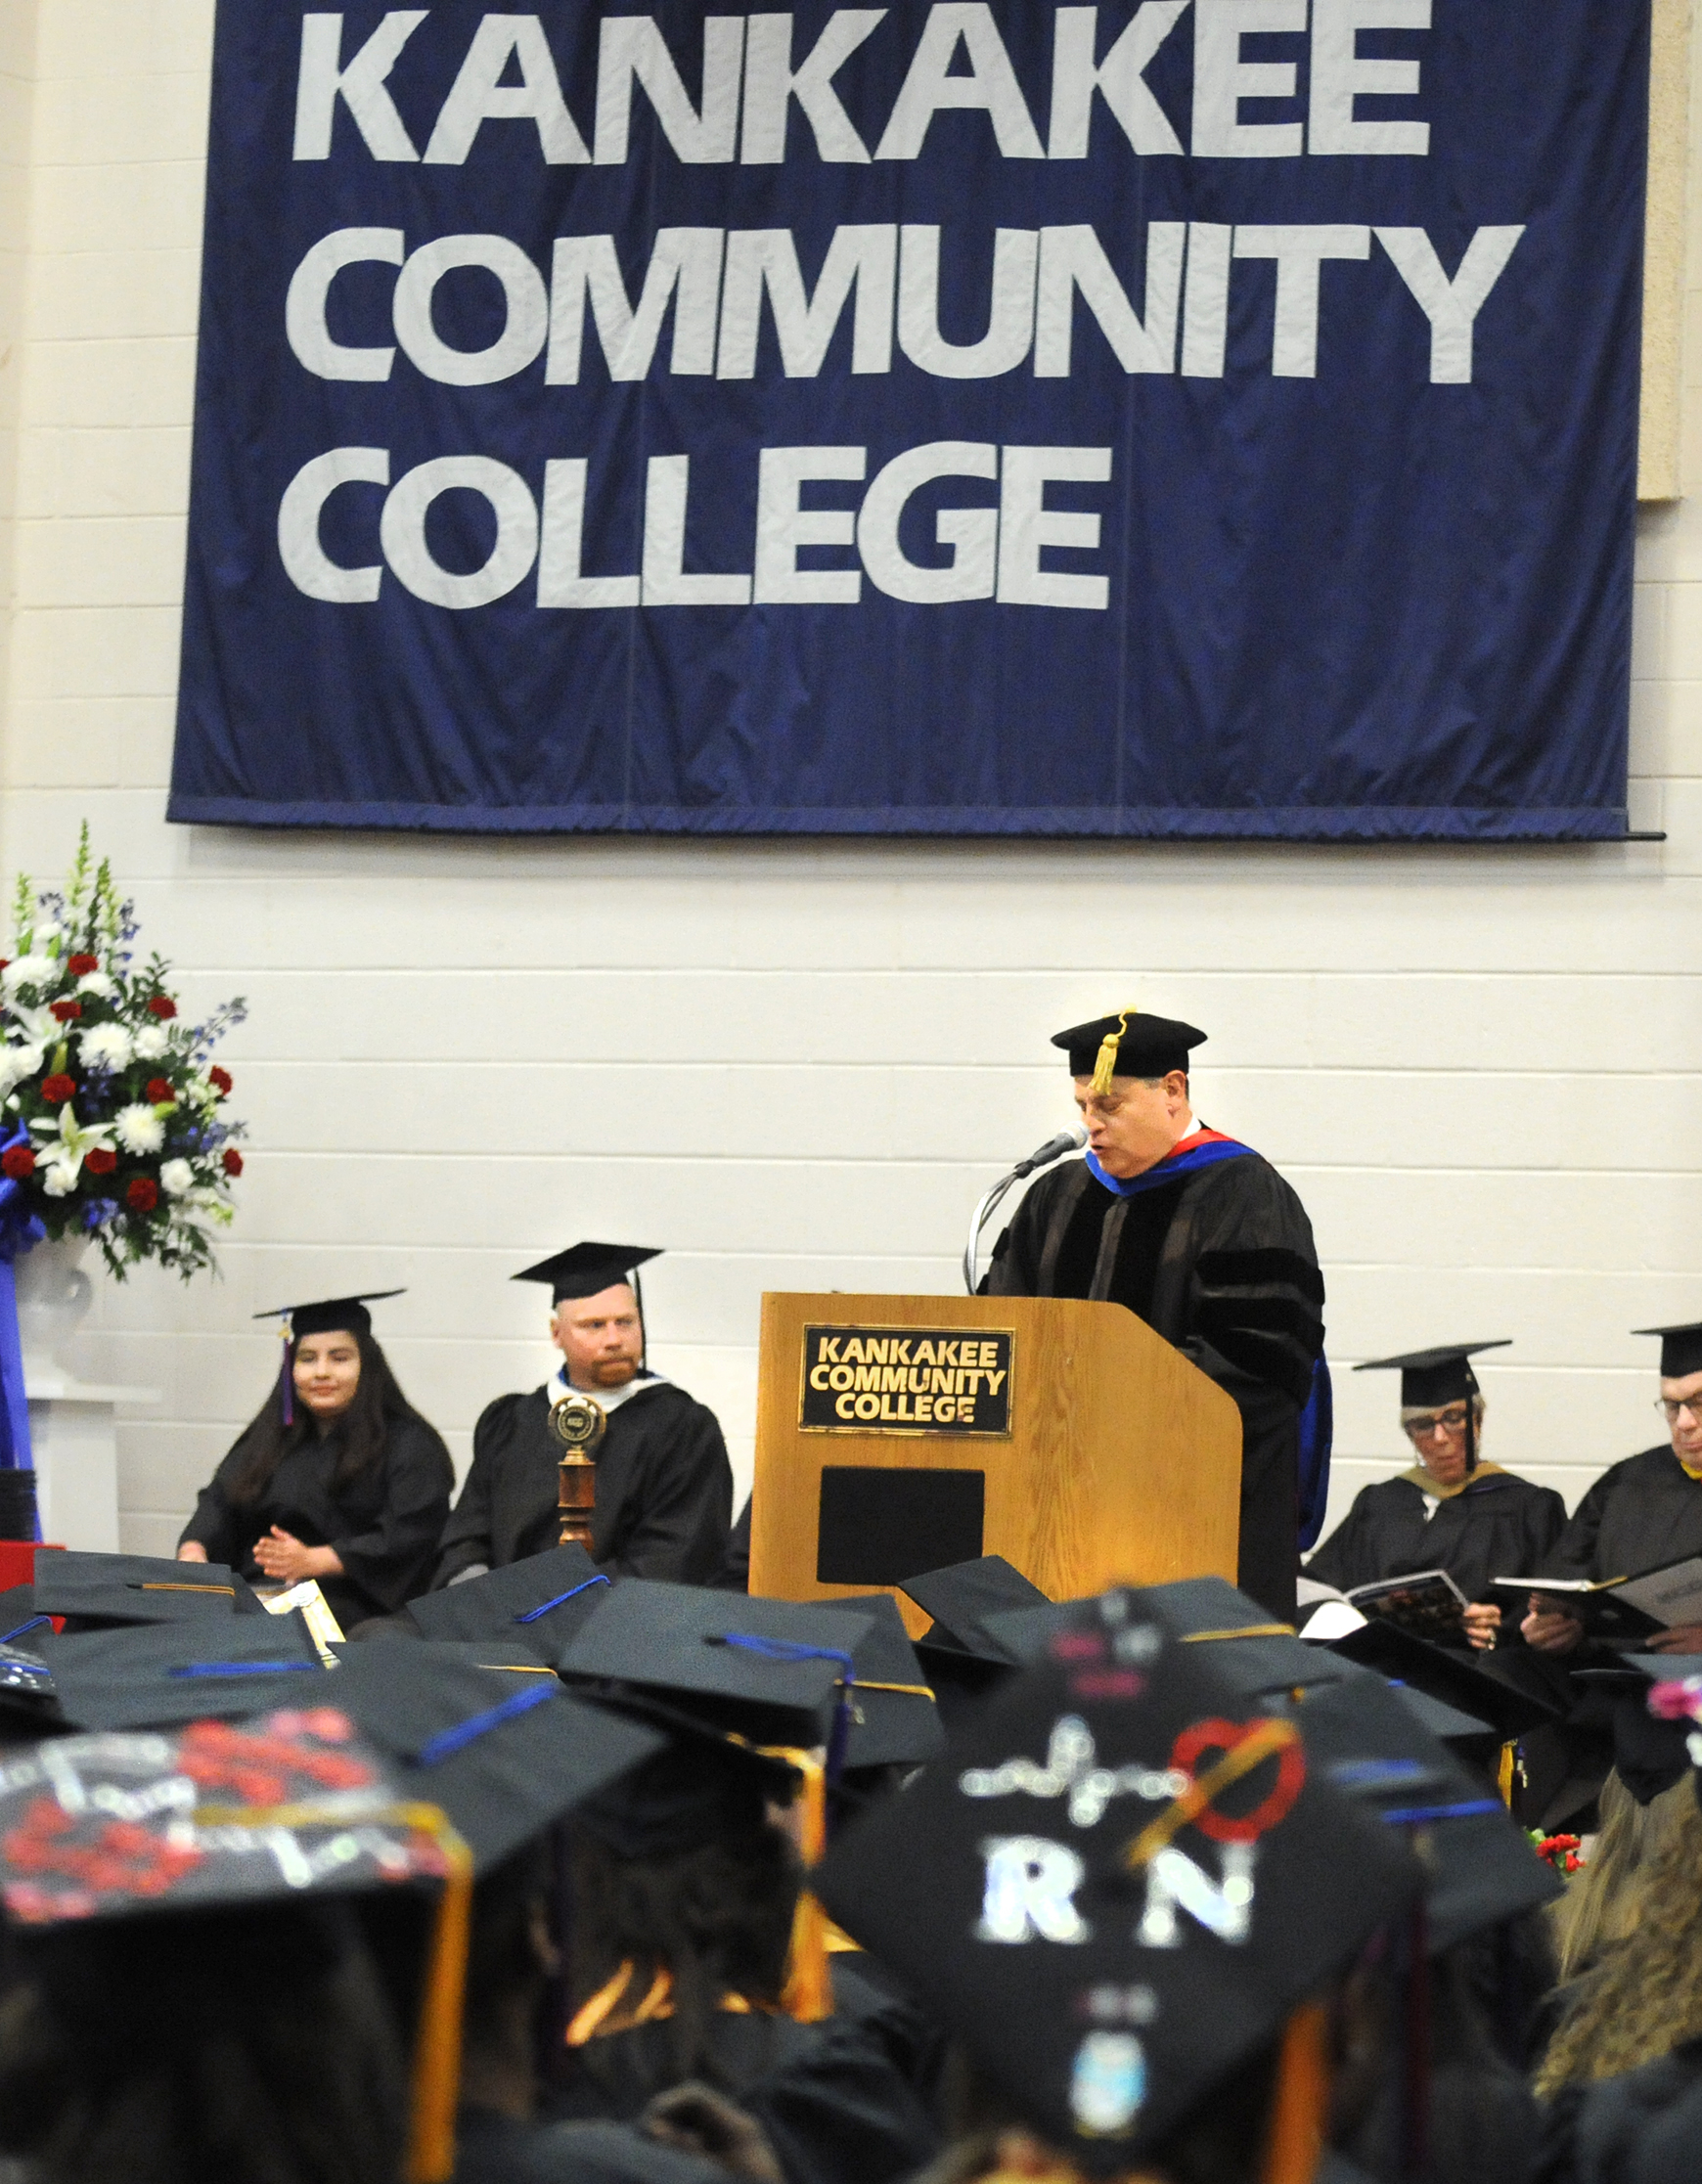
(1054, 1148)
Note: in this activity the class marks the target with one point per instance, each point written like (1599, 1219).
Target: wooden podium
(898, 1434)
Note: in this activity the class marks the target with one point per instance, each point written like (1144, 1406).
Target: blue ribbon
(20, 1229)
(246, 1668)
(584, 1585)
(1170, 1166)
(447, 1742)
(1412, 1814)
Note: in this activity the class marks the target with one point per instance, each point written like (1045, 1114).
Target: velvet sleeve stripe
(1260, 1266)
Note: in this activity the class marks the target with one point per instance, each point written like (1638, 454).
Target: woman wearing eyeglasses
(1452, 1511)
(1641, 1514)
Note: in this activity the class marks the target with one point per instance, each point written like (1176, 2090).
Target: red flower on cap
(220, 1081)
(80, 966)
(100, 1162)
(232, 1160)
(159, 1091)
(162, 1005)
(142, 1195)
(57, 1089)
(18, 1160)
(67, 1011)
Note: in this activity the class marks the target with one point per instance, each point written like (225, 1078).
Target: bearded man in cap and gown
(663, 1486)
(1453, 1511)
(1202, 1239)
(1642, 1513)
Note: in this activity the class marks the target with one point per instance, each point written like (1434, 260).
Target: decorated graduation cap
(1130, 1043)
(1442, 1374)
(329, 1315)
(92, 1590)
(540, 1601)
(1481, 1867)
(1681, 1349)
(587, 1269)
(161, 1675)
(29, 1696)
(1119, 1884)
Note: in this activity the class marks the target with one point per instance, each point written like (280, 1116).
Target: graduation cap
(895, 1720)
(330, 1314)
(1480, 1865)
(159, 1676)
(1681, 1349)
(1440, 1376)
(505, 1756)
(94, 1589)
(1127, 1044)
(29, 1696)
(960, 1656)
(1488, 1688)
(540, 1601)
(289, 1810)
(1118, 1884)
(21, 1619)
(587, 1270)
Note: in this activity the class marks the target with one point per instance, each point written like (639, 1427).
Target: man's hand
(1683, 1637)
(283, 1559)
(191, 1550)
(695, 2119)
(1483, 1623)
(1549, 1628)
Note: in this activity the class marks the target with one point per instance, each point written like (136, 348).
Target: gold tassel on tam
(808, 1994)
(1300, 2105)
(1506, 1772)
(1105, 1061)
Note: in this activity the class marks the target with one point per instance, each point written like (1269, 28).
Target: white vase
(53, 1294)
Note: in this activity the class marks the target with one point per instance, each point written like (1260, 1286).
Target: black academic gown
(834, 2107)
(664, 1488)
(1496, 1525)
(1639, 1515)
(385, 1524)
(492, 2149)
(1221, 1263)
(1643, 2127)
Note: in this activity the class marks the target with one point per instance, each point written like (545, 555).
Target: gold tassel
(1300, 2105)
(1105, 1062)
(1504, 1773)
(808, 1994)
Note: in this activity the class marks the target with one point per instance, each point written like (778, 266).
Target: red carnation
(159, 1091)
(162, 1004)
(17, 1162)
(80, 966)
(233, 1161)
(220, 1080)
(100, 1162)
(57, 1089)
(67, 1011)
(142, 1195)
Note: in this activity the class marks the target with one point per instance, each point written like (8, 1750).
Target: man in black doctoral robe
(1452, 1511)
(664, 1487)
(1641, 1513)
(1198, 1237)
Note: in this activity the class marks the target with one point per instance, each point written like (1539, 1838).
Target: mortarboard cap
(960, 1656)
(1681, 1349)
(895, 1720)
(94, 1589)
(29, 1696)
(540, 1601)
(1488, 1688)
(1480, 1865)
(161, 1675)
(21, 1619)
(330, 1314)
(1117, 1884)
(769, 1671)
(504, 1754)
(1440, 1376)
(587, 1269)
(1129, 1043)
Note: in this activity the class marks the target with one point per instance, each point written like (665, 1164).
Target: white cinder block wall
(793, 1066)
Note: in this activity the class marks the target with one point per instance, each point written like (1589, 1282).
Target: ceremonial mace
(579, 1425)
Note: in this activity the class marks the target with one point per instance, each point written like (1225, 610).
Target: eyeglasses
(1669, 1411)
(1451, 1421)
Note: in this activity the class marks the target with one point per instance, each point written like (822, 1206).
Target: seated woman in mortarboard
(664, 1487)
(1452, 1511)
(337, 1478)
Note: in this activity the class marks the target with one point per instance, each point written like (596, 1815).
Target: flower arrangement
(1564, 1853)
(111, 1113)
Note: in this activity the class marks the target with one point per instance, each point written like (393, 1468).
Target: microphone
(1054, 1148)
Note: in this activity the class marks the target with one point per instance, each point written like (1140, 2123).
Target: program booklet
(1428, 1602)
(1613, 1608)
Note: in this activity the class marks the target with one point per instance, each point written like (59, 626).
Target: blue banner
(1200, 417)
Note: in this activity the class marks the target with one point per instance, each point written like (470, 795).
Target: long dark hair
(364, 1427)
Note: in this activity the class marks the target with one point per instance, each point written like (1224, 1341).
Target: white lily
(40, 1025)
(18, 1062)
(74, 1143)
